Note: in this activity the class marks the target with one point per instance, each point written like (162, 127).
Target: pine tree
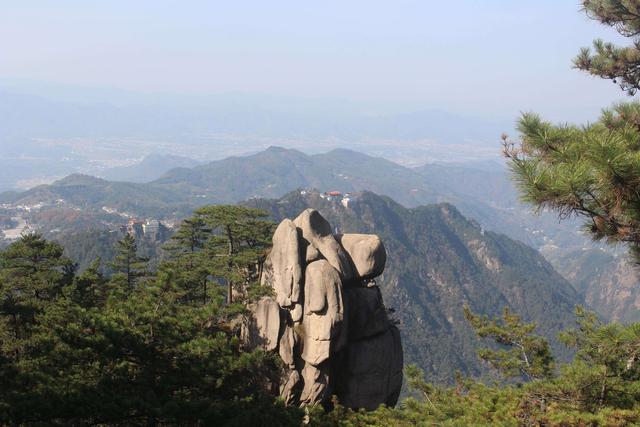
(606, 369)
(33, 273)
(90, 354)
(620, 64)
(186, 262)
(593, 171)
(128, 266)
(90, 287)
(237, 246)
(522, 354)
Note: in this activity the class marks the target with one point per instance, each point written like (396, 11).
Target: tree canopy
(89, 348)
(606, 60)
(591, 171)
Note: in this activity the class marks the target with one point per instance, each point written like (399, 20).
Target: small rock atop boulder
(366, 252)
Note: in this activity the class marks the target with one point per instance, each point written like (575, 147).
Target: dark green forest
(114, 330)
(157, 347)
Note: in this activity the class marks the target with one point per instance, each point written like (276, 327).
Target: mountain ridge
(488, 197)
(439, 261)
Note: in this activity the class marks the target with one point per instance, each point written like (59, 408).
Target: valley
(482, 192)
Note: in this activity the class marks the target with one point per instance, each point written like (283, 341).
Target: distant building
(151, 226)
(135, 227)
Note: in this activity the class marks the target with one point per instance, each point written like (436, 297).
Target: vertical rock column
(326, 318)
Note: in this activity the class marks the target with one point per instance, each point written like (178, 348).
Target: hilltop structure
(326, 319)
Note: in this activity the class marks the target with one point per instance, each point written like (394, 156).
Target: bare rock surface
(285, 263)
(263, 327)
(288, 387)
(327, 321)
(286, 346)
(366, 252)
(311, 253)
(367, 314)
(316, 383)
(317, 231)
(371, 372)
(324, 313)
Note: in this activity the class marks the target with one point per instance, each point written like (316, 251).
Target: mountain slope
(270, 173)
(149, 169)
(608, 283)
(437, 262)
(92, 194)
(276, 171)
(486, 195)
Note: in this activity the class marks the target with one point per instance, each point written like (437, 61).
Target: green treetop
(621, 64)
(237, 245)
(127, 264)
(90, 287)
(186, 262)
(33, 273)
(592, 171)
(522, 354)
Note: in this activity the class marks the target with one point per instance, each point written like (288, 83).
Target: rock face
(367, 253)
(327, 320)
(286, 268)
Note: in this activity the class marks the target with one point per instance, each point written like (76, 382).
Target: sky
(490, 58)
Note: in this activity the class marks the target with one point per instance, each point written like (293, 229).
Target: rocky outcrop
(333, 331)
(367, 253)
(284, 266)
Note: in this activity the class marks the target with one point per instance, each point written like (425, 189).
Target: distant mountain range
(438, 261)
(149, 169)
(50, 132)
(482, 193)
(485, 195)
(175, 117)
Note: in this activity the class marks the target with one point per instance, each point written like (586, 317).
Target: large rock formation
(326, 319)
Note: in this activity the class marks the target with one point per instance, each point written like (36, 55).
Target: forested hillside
(485, 194)
(438, 261)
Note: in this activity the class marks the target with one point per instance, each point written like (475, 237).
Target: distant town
(19, 219)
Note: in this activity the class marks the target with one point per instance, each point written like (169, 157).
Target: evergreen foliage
(522, 355)
(591, 171)
(599, 388)
(620, 64)
(85, 350)
(236, 247)
(129, 267)
(33, 273)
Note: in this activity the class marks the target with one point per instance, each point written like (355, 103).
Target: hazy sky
(483, 57)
